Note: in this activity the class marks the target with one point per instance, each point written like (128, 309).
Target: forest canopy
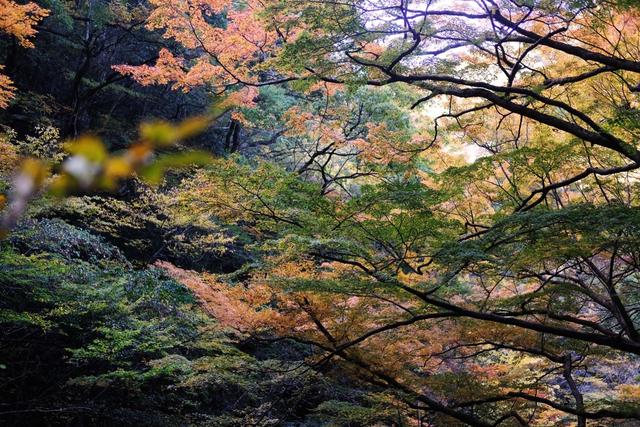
(319, 213)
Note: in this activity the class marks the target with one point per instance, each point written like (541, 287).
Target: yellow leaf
(159, 134)
(115, 169)
(88, 147)
(164, 134)
(35, 169)
(61, 185)
(192, 127)
(153, 173)
(139, 153)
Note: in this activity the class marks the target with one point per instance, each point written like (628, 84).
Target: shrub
(57, 237)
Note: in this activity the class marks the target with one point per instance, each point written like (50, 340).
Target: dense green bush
(56, 236)
(140, 224)
(85, 339)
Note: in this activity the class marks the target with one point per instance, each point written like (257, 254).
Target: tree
(473, 291)
(19, 21)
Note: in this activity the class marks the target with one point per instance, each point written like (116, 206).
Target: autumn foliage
(431, 203)
(19, 21)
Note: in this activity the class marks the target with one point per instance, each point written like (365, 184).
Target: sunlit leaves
(154, 173)
(20, 21)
